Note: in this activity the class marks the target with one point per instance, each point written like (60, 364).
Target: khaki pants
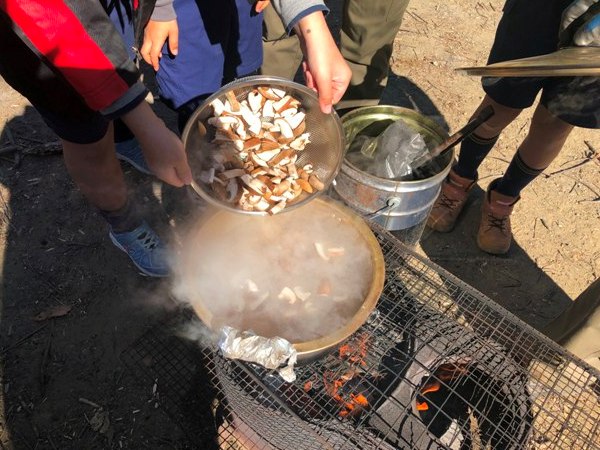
(368, 30)
(578, 327)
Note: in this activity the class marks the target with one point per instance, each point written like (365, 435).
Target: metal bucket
(399, 206)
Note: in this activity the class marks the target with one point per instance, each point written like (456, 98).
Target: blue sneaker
(131, 152)
(145, 249)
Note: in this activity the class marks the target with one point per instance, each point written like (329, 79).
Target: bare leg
(96, 171)
(546, 137)
(503, 116)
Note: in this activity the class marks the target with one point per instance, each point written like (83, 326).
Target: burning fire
(352, 404)
(446, 372)
(353, 352)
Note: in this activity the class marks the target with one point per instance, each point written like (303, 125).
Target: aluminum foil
(271, 353)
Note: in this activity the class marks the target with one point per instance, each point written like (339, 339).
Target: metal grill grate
(437, 365)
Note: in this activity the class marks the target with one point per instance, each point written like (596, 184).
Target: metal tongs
(445, 146)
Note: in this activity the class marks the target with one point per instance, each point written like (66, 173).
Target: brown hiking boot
(494, 235)
(450, 202)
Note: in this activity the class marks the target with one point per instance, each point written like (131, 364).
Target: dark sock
(122, 133)
(124, 219)
(473, 151)
(517, 176)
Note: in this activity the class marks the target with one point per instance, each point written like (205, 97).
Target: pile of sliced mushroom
(258, 139)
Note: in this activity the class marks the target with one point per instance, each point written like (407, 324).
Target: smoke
(195, 331)
(299, 275)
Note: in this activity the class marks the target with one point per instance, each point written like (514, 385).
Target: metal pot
(308, 350)
(396, 205)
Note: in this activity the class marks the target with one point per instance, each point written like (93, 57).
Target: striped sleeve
(79, 41)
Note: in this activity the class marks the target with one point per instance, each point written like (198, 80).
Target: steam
(299, 275)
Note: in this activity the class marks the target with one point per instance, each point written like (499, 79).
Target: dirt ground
(64, 382)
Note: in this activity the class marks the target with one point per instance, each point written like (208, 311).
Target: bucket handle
(390, 204)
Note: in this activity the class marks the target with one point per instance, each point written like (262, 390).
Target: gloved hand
(588, 34)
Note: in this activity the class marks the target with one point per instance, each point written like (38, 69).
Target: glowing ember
(346, 388)
(355, 351)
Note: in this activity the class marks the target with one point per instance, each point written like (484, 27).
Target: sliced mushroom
(315, 182)
(233, 101)
(288, 295)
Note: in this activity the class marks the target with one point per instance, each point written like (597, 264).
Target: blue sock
(473, 151)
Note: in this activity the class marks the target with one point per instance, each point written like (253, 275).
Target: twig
(23, 339)
(9, 135)
(534, 226)
(583, 183)
(89, 403)
(44, 361)
(592, 148)
(500, 159)
(556, 172)
(52, 443)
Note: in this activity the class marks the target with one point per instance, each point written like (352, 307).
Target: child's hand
(325, 69)
(162, 148)
(155, 35)
(261, 5)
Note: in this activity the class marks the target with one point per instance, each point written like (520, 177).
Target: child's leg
(367, 38)
(546, 137)
(282, 55)
(96, 171)
(476, 147)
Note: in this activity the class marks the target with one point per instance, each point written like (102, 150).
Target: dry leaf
(100, 421)
(55, 311)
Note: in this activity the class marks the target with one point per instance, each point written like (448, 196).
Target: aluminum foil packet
(271, 353)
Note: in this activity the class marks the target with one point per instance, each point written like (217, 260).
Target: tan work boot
(450, 202)
(494, 235)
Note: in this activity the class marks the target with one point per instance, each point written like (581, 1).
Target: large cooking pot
(229, 257)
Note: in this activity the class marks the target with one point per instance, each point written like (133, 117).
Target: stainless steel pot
(396, 205)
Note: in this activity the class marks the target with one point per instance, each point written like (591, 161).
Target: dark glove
(588, 33)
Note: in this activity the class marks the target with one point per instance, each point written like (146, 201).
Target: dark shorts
(59, 105)
(530, 28)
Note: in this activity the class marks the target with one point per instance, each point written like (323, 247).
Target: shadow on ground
(514, 281)
(64, 384)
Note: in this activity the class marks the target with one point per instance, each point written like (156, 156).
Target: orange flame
(333, 387)
(422, 406)
(432, 386)
(445, 373)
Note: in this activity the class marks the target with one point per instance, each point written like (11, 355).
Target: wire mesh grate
(436, 365)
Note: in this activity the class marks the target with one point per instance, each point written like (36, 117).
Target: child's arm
(325, 69)
(162, 149)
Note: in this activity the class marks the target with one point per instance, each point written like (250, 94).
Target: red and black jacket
(66, 55)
